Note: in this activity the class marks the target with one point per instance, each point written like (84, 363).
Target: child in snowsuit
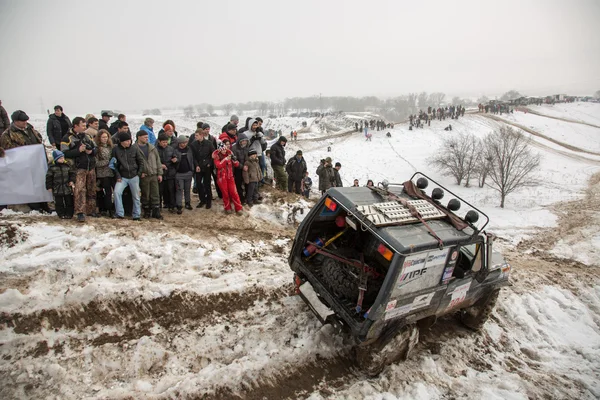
(225, 163)
(60, 179)
(306, 185)
(252, 174)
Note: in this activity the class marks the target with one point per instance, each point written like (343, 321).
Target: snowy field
(580, 111)
(201, 305)
(579, 135)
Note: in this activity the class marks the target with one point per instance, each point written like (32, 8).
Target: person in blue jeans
(130, 165)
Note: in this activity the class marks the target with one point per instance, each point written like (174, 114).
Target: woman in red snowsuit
(222, 157)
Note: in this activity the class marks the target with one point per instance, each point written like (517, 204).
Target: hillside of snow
(201, 305)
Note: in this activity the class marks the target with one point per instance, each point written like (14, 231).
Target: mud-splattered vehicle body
(375, 261)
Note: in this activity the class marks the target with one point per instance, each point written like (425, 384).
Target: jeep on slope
(375, 261)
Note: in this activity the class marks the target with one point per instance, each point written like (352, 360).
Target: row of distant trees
(502, 160)
(395, 108)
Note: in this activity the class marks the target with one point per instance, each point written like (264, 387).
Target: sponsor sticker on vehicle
(391, 305)
(418, 302)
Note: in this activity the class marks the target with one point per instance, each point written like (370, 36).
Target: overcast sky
(127, 55)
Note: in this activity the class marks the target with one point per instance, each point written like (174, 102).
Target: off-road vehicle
(375, 261)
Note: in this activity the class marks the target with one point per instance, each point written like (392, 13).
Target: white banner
(23, 176)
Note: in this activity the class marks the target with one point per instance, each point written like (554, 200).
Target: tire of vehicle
(475, 316)
(372, 359)
(343, 283)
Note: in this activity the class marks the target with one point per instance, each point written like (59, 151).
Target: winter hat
(251, 151)
(56, 154)
(141, 132)
(124, 136)
(299, 153)
(19, 116)
(182, 139)
(230, 127)
(234, 118)
(205, 126)
(162, 137)
(328, 159)
(282, 139)
(168, 127)
(106, 114)
(242, 136)
(337, 164)
(221, 146)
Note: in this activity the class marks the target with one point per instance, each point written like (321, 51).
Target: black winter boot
(188, 206)
(179, 210)
(146, 212)
(156, 213)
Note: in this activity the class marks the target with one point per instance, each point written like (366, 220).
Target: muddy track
(529, 110)
(536, 133)
(322, 375)
(127, 312)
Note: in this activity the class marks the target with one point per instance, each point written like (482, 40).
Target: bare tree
(457, 157)
(510, 95)
(422, 99)
(435, 99)
(228, 108)
(210, 109)
(457, 101)
(188, 111)
(512, 161)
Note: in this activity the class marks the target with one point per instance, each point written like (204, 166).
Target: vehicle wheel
(343, 282)
(475, 316)
(372, 359)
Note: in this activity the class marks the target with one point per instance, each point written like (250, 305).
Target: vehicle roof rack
(473, 226)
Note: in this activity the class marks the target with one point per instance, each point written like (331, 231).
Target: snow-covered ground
(579, 111)
(579, 135)
(201, 305)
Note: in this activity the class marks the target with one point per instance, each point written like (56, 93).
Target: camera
(89, 146)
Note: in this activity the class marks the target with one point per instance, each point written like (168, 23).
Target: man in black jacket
(296, 168)
(57, 127)
(278, 163)
(202, 149)
(115, 125)
(104, 120)
(130, 167)
(78, 147)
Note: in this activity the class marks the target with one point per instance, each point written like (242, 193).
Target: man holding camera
(326, 175)
(80, 150)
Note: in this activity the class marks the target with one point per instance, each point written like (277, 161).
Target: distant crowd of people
(496, 108)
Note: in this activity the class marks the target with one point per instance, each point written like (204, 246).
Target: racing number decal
(459, 294)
